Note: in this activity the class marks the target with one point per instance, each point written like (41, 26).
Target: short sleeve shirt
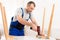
(19, 12)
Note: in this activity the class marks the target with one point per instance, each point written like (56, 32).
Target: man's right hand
(34, 27)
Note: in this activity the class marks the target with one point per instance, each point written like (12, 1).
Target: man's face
(30, 8)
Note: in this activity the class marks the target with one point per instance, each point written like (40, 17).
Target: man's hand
(34, 27)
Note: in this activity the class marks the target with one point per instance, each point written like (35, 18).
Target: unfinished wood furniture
(5, 23)
(50, 24)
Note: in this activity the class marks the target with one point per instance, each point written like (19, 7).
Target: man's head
(30, 6)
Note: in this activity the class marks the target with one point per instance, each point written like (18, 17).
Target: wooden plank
(5, 23)
(43, 21)
(11, 37)
(50, 23)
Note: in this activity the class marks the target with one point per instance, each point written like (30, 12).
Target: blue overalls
(16, 28)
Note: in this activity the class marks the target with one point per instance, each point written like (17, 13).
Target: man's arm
(24, 22)
(34, 21)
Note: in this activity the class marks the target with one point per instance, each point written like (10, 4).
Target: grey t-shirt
(19, 12)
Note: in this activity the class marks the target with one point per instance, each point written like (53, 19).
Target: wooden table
(31, 38)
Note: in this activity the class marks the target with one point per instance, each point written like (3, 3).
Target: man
(21, 19)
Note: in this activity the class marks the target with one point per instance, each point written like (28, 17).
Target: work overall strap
(16, 24)
(22, 12)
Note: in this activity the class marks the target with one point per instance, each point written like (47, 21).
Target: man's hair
(31, 2)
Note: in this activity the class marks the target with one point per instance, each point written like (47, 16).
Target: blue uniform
(16, 28)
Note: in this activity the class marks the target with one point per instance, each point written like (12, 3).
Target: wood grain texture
(43, 21)
(50, 23)
(5, 26)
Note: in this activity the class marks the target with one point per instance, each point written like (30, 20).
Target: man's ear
(27, 5)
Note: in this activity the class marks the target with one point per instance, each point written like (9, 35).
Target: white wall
(12, 5)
